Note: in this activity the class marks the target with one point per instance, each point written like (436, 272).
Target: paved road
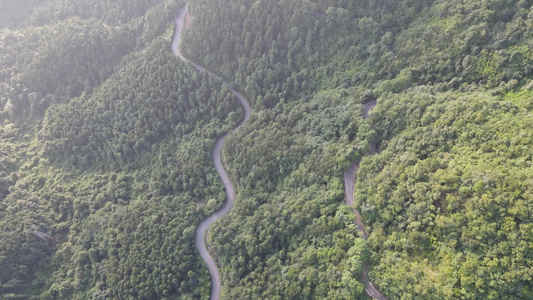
(201, 230)
(349, 181)
(368, 107)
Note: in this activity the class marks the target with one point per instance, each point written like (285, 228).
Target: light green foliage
(522, 98)
(449, 195)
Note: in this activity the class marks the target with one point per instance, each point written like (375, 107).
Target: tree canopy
(106, 140)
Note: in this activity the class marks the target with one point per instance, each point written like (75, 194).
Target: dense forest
(447, 201)
(106, 139)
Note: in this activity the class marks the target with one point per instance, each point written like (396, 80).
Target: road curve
(201, 230)
(349, 181)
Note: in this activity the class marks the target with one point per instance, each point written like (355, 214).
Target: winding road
(201, 230)
(349, 181)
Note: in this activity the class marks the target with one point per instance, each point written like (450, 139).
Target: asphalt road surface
(201, 230)
(349, 182)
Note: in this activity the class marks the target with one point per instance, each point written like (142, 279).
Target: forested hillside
(106, 140)
(449, 196)
(105, 151)
(446, 202)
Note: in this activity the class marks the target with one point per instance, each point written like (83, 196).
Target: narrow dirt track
(201, 230)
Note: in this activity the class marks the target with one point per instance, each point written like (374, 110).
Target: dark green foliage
(83, 101)
(22, 13)
(105, 142)
(342, 44)
(131, 112)
(41, 67)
